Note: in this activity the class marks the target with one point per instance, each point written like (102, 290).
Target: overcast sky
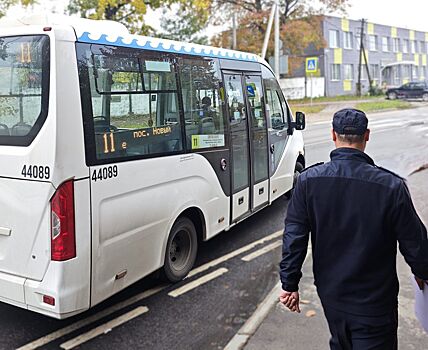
(412, 14)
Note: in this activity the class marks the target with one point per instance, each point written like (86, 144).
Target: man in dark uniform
(356, 212)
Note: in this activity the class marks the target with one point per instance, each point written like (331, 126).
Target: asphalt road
(145, 316)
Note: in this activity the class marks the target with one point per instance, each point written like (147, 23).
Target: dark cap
(350, 121)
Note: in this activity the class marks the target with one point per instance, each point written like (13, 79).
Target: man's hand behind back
(290, 300)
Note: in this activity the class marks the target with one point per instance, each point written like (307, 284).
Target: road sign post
(311, 67)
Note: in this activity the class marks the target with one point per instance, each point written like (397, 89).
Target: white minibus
(119, 153)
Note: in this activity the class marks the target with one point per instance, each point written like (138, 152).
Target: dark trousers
(355, 332)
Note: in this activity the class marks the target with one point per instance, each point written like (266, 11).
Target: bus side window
(203, 110)
(134, 103)
(276, 112)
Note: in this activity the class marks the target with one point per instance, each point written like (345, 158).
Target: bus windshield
(24, 85)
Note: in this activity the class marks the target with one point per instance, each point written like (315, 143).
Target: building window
(406, 72)
(422, 46)
(347, 40)
(396, 72)
(413, 46)
(385, 44)
(414, 73)
(334, 38)
(395, 45)
(372, 42)
(348, 71)
(335, 72)
(405, 46)
(374, 71)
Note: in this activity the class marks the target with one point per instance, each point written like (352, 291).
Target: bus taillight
(63, 244)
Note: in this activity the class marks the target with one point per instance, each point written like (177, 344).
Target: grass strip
(382, 105)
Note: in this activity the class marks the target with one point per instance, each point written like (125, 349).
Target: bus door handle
(272, 148)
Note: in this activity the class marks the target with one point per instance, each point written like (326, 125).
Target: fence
(297, 88)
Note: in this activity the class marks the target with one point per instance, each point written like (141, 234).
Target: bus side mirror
(300, 122)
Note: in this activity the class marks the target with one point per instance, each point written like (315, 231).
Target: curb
(250, 327)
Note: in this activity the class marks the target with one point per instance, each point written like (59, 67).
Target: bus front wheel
(297, 170)
(181, 250)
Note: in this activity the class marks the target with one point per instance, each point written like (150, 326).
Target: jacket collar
(347, 153)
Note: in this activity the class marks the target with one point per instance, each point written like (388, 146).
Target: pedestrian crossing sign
(311, 64)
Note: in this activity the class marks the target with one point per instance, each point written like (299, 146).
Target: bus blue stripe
(208, 52)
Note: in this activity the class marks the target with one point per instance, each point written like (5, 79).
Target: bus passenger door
(238, 122)
(258, 141)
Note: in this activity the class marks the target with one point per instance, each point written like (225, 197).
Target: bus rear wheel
(181, 250)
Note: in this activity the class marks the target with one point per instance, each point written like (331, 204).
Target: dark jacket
(356, 212)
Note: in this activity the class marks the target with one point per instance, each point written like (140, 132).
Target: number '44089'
(36, 172)
(104, 173)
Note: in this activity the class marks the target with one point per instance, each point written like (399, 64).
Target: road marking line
(82, 323)
(198, 282)
(99, 315)
(262, 251)
(104, 328)
(318, 143)
(231, 255)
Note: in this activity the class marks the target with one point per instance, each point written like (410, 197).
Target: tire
(297, 170)
(181, 249)
(425, 97)
(392, 96)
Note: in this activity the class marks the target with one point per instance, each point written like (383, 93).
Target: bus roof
(114, 33)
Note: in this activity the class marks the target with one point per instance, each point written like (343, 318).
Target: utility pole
(367, 69)
(277, 39)
(268, 30)
(363, 55)
(234, 30)
(360, 59)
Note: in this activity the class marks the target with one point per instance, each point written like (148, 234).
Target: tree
(5, 4)
(186, 22)
(130, 13)
(300, 22)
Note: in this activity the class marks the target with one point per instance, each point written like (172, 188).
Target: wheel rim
(392, 96)
(179, 250)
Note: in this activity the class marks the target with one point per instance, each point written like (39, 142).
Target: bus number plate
(39, 172)
(104, 173)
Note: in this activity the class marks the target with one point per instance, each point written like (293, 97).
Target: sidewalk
(282, 329)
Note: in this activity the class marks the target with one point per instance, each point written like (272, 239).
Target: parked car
(409, 90)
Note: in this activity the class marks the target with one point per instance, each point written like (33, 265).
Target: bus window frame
(26, 140)
(87, 111)
(222, 102)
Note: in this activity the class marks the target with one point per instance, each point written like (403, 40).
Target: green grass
(308, 109)
(334, 99)
(382, 105)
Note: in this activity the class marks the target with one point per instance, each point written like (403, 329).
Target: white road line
(231, 255)
(318, 143)
(198, 282)
(104, 328)
(321, 123)
(99, 315)
(82, 323)
(262, 251)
